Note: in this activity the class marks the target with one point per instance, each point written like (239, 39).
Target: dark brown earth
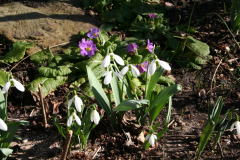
(189, 111)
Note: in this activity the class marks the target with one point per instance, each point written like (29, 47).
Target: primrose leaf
(41, 57)
(120, 17)
(54, 71)
(166, 80)
(107, 26)
(93, 62)
(3, 77)
(48, 84)
(200, 48)
(127, 12)
(16, 52)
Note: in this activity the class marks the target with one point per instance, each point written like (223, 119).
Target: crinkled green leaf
(96, 60)
(109, 16)
(41, 57)
(48, 84)
(16, 52)
(200, 48)
(107, 26)
(127, 12)
(54, 71)
(120, 17)
(3, 77)
(135, 59)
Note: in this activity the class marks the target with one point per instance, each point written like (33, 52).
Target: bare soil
(189, 111)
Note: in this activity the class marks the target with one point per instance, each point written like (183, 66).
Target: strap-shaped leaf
(160, 101)
(235, 15)
(116, 90)
(127, 105)
(98, 91)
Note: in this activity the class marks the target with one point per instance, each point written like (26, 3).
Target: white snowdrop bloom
(111, 57)
(3, 125)
(108, 77)
(151, 138)
(118, 75)
(77, 101)
(95, 117)
(237, 125)
(72, 118)
(13, 82)
(153, 66)
(130, 67)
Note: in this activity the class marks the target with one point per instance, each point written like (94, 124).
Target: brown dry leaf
(141, 137)
(129, 139)
(55, 107)
(169, 5)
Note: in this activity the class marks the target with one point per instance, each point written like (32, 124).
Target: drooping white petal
(92, 116)
(165, 65)
(70, 102)
(96, 118)
(108, 78)
(147, 137)
(152, 140)
(152, 68)
(135, 71)
(78, 103)
(232, 126)
(118, 59)
(124, 70)
(3, 125)
(106, 61)
(118, 75)
(154, 136)
(105, 73)
(238, 127)
(6, 87)
(18, 85)
(69, 122)
(77, 119)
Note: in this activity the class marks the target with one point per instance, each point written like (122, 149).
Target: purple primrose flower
(94, 33)
(143, 67)
(150, 46)
(131, 48)
(151, 15)
(87, 48)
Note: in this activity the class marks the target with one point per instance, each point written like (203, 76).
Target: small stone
(25, 140)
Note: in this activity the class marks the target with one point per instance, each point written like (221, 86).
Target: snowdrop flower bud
(108, 77)
(95, 117)
(151, 138)
(130, 67)
(3, 125)
(13, 82)
(111, 57)
(237, 125)
(77, 101)
(72, 118)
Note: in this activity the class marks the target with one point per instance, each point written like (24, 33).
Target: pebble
(25, 139)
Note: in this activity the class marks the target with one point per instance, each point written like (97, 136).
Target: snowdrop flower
(108, 77)
(95, 117)
(237, 125)
(13, 82)
(130, 67)
(151, 138)
(111, 57)
(153, 66)
(72, 118)
(3, 125)
(77, 101)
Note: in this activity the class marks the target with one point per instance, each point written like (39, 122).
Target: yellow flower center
(88, 49)
(94, 34)
(147, 47)
(143, 65)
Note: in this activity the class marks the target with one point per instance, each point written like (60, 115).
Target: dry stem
(66, 145)
(43, 107)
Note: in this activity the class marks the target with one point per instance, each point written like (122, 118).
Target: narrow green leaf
(127, 105)
(98, 91)
(116, 90)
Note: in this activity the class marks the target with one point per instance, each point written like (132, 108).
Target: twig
(43, 107)
(36, 52)
(220, 149)
(5, 63)
(96, 152)
(170, 123)
(214, 76)
(66, 145)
